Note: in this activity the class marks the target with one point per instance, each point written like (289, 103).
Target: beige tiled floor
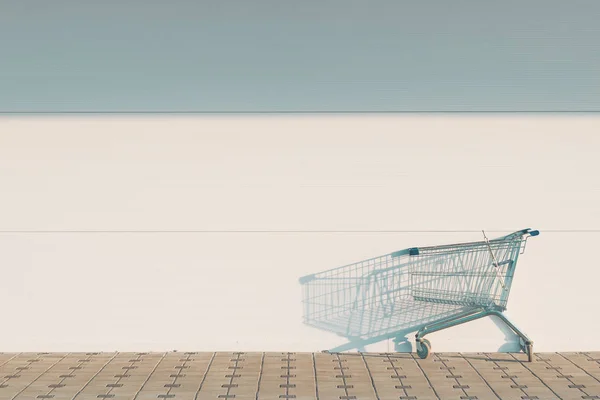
(241, 376)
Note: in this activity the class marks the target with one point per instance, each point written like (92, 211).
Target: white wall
(212, 291)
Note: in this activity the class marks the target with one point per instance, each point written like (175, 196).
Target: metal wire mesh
(407, 289)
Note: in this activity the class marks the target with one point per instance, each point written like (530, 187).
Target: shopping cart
(421, 289)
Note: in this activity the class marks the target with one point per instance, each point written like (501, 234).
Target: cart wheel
(423, 349)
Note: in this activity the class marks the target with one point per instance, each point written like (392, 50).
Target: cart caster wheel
(424, 349)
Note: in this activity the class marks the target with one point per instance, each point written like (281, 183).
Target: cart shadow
(488, 357)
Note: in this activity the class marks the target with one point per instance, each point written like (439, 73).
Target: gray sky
(268, 55)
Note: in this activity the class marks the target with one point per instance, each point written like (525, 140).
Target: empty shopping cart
(421, 289)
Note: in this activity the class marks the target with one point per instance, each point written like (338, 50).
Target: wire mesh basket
(408, 290)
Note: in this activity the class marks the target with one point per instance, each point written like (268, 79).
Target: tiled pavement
(244, 376)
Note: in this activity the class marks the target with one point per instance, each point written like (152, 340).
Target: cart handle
(414, 251)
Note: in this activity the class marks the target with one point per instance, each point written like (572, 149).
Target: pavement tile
(276, 375)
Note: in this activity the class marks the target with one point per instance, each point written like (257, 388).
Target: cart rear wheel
(423, 349)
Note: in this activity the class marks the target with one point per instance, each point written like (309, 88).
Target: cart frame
(417, 273)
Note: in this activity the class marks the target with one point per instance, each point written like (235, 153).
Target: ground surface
(322, 376)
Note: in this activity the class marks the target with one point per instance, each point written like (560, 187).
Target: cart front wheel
(423, 349)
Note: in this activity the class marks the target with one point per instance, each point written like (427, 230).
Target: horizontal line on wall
(284, 231)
